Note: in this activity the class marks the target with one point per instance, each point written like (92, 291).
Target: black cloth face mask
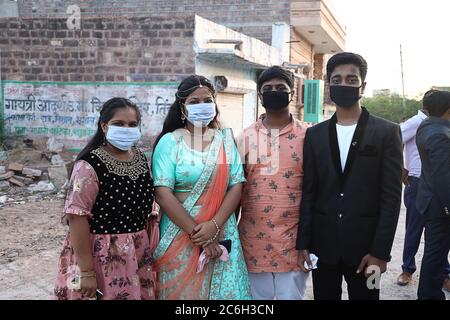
(345, 96)
(275, 100)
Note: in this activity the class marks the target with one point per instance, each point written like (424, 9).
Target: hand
(203, 232)
(369, 260)
(303, 255)
(213, 250)
(88, 286)
(405, 177)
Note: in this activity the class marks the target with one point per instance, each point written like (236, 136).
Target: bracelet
(217, 233)
(217, 229)
(215, 236)
(208, 242)
(215, 223)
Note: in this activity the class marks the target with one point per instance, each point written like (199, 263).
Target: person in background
(415, 223)
(107, 252)
(433, 195)
(272, 149)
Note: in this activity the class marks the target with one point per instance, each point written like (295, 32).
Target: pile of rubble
(20, 176)
(34, 170)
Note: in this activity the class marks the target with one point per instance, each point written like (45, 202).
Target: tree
(391, 107)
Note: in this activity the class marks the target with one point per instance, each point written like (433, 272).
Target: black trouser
(415, 224)
(437, 245)
(327, 282)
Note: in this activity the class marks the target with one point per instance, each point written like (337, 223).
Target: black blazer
(433, 142)
(347, 215)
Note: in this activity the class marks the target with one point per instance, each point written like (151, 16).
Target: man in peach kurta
(272, 149)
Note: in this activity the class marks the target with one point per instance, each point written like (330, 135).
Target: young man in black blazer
(433, 195)
(352, 189)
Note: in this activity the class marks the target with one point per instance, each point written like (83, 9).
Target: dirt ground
(31, 236)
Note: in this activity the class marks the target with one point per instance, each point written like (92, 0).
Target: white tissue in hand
(314, 259)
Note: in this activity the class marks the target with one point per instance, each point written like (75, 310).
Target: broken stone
(57, 160)
(16, 182)
(15, 167)
(24, 179)
(43, 186)
(12, 254)
(58, 175)
(3, 199)
(54, 146)
(2, 169)
(31, 172)
(4, 185)
(7, 175)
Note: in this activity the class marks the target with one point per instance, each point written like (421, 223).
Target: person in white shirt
(415, 222)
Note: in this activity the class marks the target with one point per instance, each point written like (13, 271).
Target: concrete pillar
(281, 35)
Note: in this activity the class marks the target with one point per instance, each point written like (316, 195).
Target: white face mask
(123, 138)
(201, 114)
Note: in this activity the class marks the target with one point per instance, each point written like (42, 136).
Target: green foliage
(391, 107)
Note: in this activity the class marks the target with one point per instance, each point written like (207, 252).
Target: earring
(183, 118)
(104, 139)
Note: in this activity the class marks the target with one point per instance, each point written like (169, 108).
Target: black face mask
(345, 96)
(275, 100)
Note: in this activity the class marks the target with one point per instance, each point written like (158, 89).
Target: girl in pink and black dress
(108, 207)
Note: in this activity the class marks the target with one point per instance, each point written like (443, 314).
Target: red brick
(7, 175)
(17, 167)
(112, 43)
(16, 182)
(60, 34)
(70, 43)
(163, 34)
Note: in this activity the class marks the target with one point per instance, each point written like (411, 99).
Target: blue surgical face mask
(201, 114)
(123, 138)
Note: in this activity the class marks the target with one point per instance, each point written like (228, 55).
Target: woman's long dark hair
(173, 119)
(107, 112)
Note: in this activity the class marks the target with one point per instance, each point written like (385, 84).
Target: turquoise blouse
(177, 166)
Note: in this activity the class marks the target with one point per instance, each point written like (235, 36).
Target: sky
(376, 29)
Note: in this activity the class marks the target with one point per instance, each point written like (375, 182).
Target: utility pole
(403, 77)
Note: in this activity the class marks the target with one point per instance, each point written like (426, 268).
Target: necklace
(131, 154)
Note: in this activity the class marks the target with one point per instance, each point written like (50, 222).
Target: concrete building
(142, 49)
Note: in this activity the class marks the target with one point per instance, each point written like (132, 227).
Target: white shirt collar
(422, 115)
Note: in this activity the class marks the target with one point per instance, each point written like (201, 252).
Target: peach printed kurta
(271, 198)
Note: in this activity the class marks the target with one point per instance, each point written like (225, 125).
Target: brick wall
(105, 49)
(251, 17)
